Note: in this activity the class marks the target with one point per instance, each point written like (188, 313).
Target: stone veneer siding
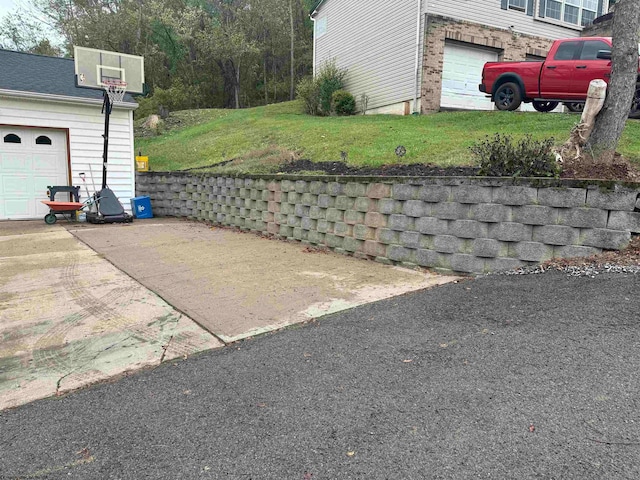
(511, 48)
(469, 225)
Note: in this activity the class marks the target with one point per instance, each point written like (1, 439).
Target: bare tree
(610, 122)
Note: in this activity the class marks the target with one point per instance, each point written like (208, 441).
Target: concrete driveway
(238, 285)
(69, 317)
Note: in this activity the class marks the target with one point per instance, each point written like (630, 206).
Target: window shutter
(505, 4)
(543, 7)
(600, 8)
(530, 8)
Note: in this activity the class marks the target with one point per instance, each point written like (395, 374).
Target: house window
(12, 138)
(576, 12)
(321, 27)
(518, 5)
(43, 140)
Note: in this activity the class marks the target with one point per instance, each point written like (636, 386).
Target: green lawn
(260, 138)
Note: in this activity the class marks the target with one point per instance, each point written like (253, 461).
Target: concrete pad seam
(217, 337)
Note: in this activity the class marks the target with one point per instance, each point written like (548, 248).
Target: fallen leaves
(84, 453)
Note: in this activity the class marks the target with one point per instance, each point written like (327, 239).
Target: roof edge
(316, 6)
(62, 98)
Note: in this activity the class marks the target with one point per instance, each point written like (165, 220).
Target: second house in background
(411, 56)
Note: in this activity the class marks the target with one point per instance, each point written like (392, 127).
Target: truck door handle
(551, 67)
(581, 66)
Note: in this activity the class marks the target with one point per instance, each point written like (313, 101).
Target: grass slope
(260, 138)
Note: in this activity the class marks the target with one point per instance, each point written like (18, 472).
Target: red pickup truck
(563, 77)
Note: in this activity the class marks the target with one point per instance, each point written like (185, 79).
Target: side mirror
(604, 55)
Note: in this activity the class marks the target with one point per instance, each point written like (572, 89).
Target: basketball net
(115, 89)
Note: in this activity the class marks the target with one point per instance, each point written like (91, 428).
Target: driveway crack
(80, 367)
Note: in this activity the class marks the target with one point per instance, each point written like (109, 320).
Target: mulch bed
(620, 169)
(396, 170)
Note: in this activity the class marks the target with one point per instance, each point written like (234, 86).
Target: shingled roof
(39, 74)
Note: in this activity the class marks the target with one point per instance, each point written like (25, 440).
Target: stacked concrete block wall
(469, 225)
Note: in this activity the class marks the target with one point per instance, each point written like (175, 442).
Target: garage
(461, 75)
(30, 160)
(52, 132)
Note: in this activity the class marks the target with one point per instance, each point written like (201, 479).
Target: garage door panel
(16, 162)
(17, 185)
(461, 74)
(27, 169)
(18, 208)
(46, 162)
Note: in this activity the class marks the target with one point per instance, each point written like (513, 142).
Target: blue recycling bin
(141, 207)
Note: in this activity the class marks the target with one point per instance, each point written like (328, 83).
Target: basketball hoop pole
(113, 91)
(106, 108)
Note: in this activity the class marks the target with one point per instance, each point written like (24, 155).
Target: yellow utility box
(142, 164)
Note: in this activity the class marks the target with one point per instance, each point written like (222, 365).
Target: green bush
(307, 91)
(501, 157)
(343, 103)
(330, 79)
(177, 97)
(317, 92)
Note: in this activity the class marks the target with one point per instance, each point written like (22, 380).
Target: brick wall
(511, 47)
(469, 225)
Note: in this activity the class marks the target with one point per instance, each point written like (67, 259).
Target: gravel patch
(625, 261)
(585, 270)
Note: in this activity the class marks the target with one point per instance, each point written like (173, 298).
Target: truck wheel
(544, 106)
(508, 96)
(575, 107)
(635, 105)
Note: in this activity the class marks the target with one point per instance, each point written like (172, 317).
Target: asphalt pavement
(509, 377)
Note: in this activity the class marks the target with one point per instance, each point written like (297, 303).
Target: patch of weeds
(500, 156)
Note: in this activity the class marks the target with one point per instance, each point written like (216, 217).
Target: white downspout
(416, 85)
(313, 19)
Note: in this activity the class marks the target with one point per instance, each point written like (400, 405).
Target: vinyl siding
(489, 12)
(376, 43)
(86, 126)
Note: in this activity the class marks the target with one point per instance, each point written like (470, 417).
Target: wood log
(573, 148)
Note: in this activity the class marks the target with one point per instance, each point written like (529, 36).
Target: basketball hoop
(115, 89)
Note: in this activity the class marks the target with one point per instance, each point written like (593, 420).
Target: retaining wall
(469, 225)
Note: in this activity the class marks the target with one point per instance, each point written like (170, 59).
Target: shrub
(317, 92)
(343, 103)
(501, 157)
(307, 91)
(330, 79)
(177, 97)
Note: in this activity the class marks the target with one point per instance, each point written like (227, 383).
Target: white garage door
(30, 160)
(461, 75)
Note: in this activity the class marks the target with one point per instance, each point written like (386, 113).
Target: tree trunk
(236, 87)
(293, 44)
(611, 121)
(266, 90)
(571, 151)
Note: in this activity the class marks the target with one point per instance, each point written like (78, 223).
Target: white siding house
(51, 130)
(376, 42)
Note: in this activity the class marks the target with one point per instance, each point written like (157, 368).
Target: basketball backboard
(94, 67)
